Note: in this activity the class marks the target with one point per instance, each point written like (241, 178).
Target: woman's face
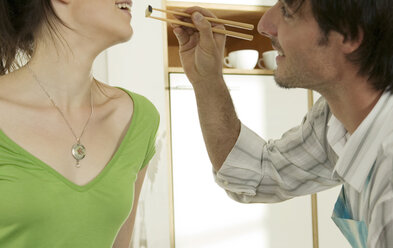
(102, 21)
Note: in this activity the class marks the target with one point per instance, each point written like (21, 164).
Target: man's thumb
(205, 30)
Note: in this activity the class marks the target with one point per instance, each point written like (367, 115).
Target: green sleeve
(151, 150)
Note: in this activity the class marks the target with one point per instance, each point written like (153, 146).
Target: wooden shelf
(229, 71)
(217, 6)
(242, 13)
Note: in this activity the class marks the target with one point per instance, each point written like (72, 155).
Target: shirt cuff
(242, 172)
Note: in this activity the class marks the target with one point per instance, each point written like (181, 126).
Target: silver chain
(59, 110)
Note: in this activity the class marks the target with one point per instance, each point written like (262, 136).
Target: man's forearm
(219, 123)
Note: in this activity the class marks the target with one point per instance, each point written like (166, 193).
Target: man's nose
(267, 25)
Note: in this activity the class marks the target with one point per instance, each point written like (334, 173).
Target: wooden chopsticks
(210, 19)
(247, 26)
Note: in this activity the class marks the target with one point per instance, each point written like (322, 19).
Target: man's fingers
(181, 35)
(208, 40)
(205, 32)
(203, 11)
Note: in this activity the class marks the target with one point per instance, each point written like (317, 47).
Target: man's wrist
(208, 83)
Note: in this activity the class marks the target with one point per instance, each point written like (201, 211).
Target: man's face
(306, 59)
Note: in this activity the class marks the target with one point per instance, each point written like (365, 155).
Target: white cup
(269, 60)
(245, 59)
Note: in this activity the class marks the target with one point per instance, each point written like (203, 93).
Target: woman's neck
(65, 74)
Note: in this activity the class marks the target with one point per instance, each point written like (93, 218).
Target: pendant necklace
(78, 150)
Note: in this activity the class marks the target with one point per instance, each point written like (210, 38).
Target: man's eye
(284, 12)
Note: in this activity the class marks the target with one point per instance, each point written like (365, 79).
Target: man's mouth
(279, 51)
(276, 46)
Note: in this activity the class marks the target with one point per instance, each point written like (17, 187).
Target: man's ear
(351, 45)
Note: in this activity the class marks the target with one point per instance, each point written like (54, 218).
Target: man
(342, 49)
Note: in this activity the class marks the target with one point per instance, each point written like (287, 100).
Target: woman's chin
(124, 36)
(127, 33)
(127, 37)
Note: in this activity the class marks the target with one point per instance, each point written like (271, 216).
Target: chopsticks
(238, 35)
(210, 19)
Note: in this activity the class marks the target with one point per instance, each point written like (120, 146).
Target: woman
(73, 151)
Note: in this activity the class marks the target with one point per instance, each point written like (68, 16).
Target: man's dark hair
(351, 18)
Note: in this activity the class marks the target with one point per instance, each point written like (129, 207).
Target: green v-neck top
(39, 208)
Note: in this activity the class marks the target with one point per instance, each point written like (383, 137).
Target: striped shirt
(305, 160)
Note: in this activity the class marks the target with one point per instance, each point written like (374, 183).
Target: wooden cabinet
(242, 13)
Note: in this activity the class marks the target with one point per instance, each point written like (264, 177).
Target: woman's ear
(61, 8)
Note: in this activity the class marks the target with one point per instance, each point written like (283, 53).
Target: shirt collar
(358, 153)
(337, 135)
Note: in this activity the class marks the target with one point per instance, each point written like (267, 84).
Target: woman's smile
(125, 7)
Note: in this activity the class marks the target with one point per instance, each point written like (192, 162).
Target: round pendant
(78, 151)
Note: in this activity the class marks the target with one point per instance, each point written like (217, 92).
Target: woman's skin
(63, 63)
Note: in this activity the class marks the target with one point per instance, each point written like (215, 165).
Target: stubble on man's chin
(285, 83)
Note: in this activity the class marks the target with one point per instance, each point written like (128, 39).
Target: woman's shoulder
(12, 91)
(137, 98)
(140, 103)
(144, 106)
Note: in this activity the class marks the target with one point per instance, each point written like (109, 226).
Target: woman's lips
(127, 12)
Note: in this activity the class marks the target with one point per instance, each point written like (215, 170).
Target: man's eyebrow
(283, 3)
(288, 8)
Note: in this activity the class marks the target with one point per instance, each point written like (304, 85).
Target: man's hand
(201, 51)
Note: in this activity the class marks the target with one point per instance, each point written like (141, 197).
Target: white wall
(138, 66)
(100, 67)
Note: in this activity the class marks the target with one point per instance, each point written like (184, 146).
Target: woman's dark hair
(374, 18)
(20, 20)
